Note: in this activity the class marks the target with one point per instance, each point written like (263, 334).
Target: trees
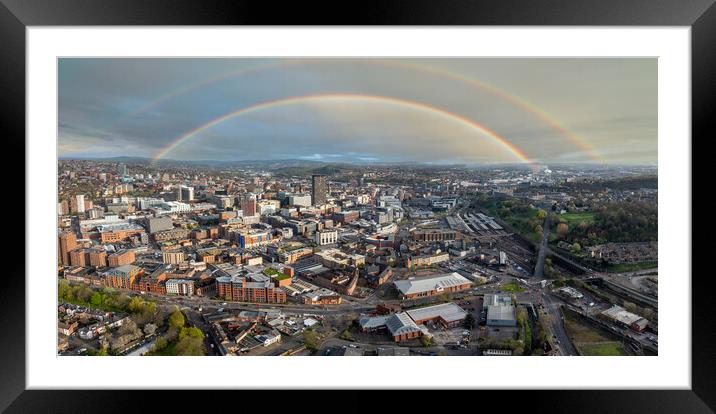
(190, 346)
(149, 329)
(346, 335)
(176, 319)
(134, 304)
(64, 290)
(160, 344)
(96, 299)
(426, 341)
(128, 332)
(469, 321)
(191, 332)
(310, 339)
(562, 229)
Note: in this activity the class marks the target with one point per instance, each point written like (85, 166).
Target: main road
(542, 254)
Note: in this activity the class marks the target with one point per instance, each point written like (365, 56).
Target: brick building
(241, 289)
(67, 243)
(122, 277)
(432, 286)
(121, 258)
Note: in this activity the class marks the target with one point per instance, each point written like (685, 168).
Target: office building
(121, 258)
(238, 288)
(157, 224)
(500, 310)
(77, 204)
(432, 286)
(120, 277)
(299, 200)
(327, 236)
(248, 205)
(319, 189)
(67, 243)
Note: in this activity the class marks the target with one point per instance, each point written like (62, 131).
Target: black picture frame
(16, 15)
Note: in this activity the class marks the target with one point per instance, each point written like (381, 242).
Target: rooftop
(449, 312)
(501, 312)
(438, 282)
(400, 323)
(620, 314)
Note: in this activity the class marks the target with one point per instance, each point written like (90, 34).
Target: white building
(300, 200)
(80, 203)
(182, 287)
(327, 236)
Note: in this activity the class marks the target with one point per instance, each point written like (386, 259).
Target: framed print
(484, 195)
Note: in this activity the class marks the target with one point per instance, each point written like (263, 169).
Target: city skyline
(442, 111)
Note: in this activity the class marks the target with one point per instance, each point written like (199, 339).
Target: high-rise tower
(319, 190)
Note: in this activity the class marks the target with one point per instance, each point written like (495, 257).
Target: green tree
(135, 304)
(160, 344)
(96, 299)
(190, 346)
(191, 332)
(469, 321)
(176, 319)
(426, 341)
(310, 339)
(346, 335)
(64, 291)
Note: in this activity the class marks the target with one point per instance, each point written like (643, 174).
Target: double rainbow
(401, 64)
(419, 106)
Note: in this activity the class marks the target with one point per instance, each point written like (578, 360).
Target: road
(556, 325)
(544, 246)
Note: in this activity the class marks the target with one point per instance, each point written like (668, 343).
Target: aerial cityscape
(357, 207)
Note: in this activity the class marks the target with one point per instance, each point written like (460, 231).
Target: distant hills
(326, 166)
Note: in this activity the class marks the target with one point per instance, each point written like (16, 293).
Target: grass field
(576, 218)
(590, 340)
(630, 267)
(169, 350)
(511, 287)
(602, 349)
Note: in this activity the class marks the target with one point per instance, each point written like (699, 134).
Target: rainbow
(483, 130)
(524, 105)
(511, 98)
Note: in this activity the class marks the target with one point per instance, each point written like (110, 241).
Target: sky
(427, 110)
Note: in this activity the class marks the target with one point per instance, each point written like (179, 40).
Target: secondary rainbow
(513, 99)
(483, 130)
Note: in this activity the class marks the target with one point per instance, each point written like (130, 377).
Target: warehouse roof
(372, 322)
(400, 323)
(449, 312)
(437, 282)
(620, 314)
(493, 299)
(501, 313)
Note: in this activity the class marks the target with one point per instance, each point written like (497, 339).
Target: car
(223, 304)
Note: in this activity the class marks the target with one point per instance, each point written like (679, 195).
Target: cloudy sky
(474, 110)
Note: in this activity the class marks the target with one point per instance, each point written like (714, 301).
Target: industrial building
(432, 286)
(625, 318)
(448, 314)
(500, 310)
(401, 327)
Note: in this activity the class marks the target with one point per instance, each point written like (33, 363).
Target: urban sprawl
(292, 258)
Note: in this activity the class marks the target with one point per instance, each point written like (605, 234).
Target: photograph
(357, 206)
